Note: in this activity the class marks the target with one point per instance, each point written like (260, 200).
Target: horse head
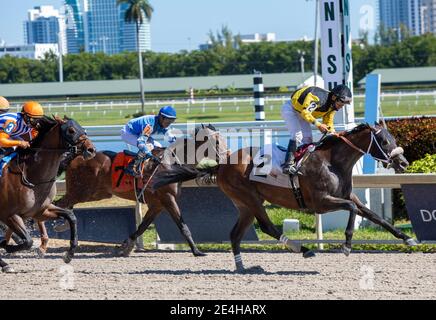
(214, 146)
(75, 139)
(384, 148)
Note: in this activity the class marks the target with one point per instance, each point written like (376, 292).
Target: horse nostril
(91, 150)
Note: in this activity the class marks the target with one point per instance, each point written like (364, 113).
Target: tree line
(222, 58)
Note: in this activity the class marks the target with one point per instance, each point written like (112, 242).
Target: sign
(421, 207)
(336, 57)
(107, 225)
(209, 214)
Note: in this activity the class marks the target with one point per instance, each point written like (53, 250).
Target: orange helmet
(4, 104)
(33, 109)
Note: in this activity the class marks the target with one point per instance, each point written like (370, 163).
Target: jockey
(17, 129)
(306, 105)
(139, 131)
(4, 105)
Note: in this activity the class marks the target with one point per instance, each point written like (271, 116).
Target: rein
(387, 158)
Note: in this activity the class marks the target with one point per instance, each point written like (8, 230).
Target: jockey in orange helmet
(4, 105)
(16, 127)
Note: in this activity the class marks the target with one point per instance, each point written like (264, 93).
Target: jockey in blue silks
(139, 132)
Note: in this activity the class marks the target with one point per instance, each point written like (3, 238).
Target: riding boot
(134, 167)
(289, 165)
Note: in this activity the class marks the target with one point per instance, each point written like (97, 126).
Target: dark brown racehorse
(326, 185)
(27, 187)
(90, 180)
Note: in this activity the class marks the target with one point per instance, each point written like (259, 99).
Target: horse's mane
(46, 124)
(332, 139)
(209, 126)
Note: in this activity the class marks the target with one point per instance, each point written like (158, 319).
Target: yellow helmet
(4, 104)
(33, 109)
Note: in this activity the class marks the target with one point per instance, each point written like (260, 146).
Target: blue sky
(178, 25)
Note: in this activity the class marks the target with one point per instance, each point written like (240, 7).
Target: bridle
(74, 147)
(387, 157)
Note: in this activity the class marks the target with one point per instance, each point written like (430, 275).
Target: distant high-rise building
(429, 10)
(42, 25)
(128, 33)
(107, 32)
(74, 27)
(394, 13)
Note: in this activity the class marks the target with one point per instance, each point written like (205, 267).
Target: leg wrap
(294, 246)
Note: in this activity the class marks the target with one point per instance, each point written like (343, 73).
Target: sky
(183, 25)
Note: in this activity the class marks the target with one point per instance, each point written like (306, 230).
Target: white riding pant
(132, 139)
(299, 129)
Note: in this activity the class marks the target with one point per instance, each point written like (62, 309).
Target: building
(258, 37)
(42, 25)
(30, 51)
(107, 32)
(245, 38)
(405, 77)
(429, 9)
(291, 81)
(410, 13)
(74, 26)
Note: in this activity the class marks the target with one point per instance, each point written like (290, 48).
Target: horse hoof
(68, 257)
(40, 252)
(3, 244)
(346, 250)
(199, 254)
(8, 269)
(411, 242)
(308, 254)
(126, 248)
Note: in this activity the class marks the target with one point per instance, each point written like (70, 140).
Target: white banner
(336, 62)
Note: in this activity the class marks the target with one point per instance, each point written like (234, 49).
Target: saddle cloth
(122, 182)
(5, 160)
(267, 165)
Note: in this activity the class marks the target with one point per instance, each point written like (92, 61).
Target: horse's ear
(202, 126)
(66, 118)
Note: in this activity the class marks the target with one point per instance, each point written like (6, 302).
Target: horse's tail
(180, 173)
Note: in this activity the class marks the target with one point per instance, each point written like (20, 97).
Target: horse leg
(42, 250)
(54, 212)
(330, 203)
(128, 245)
(174, 211)
(269, 228)
(244, 221)
(346, 248)
(16, 224)
(372, 216)
(64, 202)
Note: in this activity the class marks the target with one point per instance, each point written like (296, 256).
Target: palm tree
(137, 10)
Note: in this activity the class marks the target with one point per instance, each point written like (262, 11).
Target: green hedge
(417, 136)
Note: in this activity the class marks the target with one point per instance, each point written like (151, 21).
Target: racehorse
(91, 180)
(326, 185)
(27, 187)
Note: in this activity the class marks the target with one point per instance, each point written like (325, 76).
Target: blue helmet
(168, 112)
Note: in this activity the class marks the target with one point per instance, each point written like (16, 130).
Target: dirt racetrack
(96, 274)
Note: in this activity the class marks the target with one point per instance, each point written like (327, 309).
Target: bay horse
(91, 180)
(325, 182)
(27, 186)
